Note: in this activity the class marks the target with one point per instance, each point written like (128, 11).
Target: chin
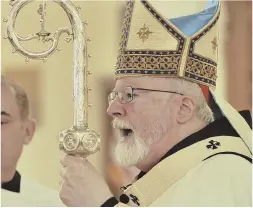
(6, 177)
(7, 172)
(129, 153)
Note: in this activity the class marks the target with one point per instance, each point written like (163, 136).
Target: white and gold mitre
(170, 39)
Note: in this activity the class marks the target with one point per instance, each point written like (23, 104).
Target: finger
(63, 172)
(68, 160)
(61, 182)
(63, 160)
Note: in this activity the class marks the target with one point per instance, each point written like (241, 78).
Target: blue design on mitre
(178, 46)
(191, 24)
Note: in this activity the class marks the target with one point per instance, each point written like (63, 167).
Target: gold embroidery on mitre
(201, 71)
(158, 62)
(214, 44)
(144, 33)
(185, 61)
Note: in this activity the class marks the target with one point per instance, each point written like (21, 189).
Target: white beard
(131, 152)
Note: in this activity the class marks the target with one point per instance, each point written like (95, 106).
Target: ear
(186, 109)
(30, 127)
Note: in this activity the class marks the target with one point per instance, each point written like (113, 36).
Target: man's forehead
(142, 82)
(7, 90)
(132, 81)
(8, 100)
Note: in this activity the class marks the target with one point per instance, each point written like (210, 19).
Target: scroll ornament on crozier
(78, 139)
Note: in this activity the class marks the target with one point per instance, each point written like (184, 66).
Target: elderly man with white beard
(148, 127)
(192, 147)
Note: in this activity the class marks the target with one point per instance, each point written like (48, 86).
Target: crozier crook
(78, 139)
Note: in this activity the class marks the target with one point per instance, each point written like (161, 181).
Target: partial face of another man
(15, 132)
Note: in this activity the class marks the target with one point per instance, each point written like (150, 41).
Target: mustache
(121, 124)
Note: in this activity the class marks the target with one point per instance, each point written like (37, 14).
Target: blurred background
(50, 85)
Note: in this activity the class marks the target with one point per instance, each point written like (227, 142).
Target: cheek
(11, 146)
(131, 108)
(11, 137)
(142, 114)
(142, 107)
(134, 114)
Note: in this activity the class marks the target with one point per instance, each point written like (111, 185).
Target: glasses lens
(111, 96)
(127, 95)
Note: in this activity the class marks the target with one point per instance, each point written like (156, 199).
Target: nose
(116, 109)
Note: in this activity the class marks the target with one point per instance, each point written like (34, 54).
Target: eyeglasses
(127, 95)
